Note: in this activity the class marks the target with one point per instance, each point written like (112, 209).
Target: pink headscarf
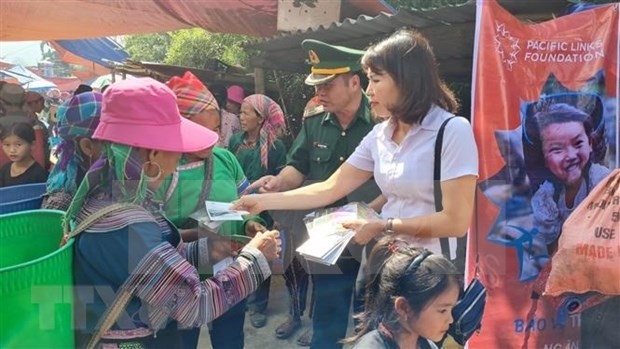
(273, 126)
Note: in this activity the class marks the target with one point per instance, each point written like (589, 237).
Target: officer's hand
(272, 184)
(257, 186)
(266, 184)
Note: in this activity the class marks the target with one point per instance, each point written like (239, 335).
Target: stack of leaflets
(328, 237)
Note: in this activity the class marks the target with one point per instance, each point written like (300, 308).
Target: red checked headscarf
(193, 96)
(273, 126)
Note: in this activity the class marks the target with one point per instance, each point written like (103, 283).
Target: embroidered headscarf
(77, 118)
(117, 176)
(273, 124)
(193, 96)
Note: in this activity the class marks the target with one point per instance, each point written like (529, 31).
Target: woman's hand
(253, 227)
(221, 248)
(189, 235)
(365, 230)
(250, 203)
(268, 243)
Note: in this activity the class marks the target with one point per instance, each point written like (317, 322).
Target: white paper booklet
(328, 238)
(220, 211)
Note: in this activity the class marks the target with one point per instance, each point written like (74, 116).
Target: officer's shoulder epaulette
(317, 110)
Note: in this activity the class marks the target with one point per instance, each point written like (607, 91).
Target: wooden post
(259, 80)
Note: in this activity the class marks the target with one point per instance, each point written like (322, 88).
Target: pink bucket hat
(143, 113)
(235, 94)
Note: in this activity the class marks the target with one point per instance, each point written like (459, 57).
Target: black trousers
(227, 330)
(257, 301)
(333, 288)
(296, 276)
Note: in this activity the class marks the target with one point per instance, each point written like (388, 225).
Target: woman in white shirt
(399, 152)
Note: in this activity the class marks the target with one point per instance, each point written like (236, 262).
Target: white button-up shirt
(404, 172)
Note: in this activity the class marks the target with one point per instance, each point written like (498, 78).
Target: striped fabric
(167, 277)
(273, 126)
(193, 96)
(172, 288)
(118, 220)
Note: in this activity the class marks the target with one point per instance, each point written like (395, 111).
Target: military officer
(325, 141)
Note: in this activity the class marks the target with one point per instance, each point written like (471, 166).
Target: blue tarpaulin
(101, 51)
(27, 79)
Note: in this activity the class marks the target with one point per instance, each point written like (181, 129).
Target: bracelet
(389, 230)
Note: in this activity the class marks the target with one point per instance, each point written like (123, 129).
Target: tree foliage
(148, 47)
(294, 96)
(188, 47)
(191, 47)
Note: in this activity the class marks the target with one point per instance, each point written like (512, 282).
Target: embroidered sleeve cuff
(258, 258)
(197, 254)
(203, 254)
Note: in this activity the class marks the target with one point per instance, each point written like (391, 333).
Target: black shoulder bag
(467, 313)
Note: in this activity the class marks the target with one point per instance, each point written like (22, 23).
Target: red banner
(534, 170)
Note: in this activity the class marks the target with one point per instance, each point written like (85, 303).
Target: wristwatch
(389, 230)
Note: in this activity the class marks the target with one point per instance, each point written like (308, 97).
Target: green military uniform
(318, 151)
(322, 145)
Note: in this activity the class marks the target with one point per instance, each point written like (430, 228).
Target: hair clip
(417, 261)
(392, 246)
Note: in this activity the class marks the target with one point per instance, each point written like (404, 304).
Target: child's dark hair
(22, 130)
(389, 275)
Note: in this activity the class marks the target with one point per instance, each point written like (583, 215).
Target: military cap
(330, 60)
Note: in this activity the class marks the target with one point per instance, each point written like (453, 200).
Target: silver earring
(146, 176)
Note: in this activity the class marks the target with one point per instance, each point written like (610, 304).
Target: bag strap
(123, 297)
(93, 218)
(445, 243)
(110, 316)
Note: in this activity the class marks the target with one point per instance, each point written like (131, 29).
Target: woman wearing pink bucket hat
(128, 249)
(235, 95)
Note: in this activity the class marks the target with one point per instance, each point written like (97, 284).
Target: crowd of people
(135, 164)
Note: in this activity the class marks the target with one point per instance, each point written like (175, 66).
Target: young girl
(17, 141)
(559, 149)
(564, 143)
(410, 294)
